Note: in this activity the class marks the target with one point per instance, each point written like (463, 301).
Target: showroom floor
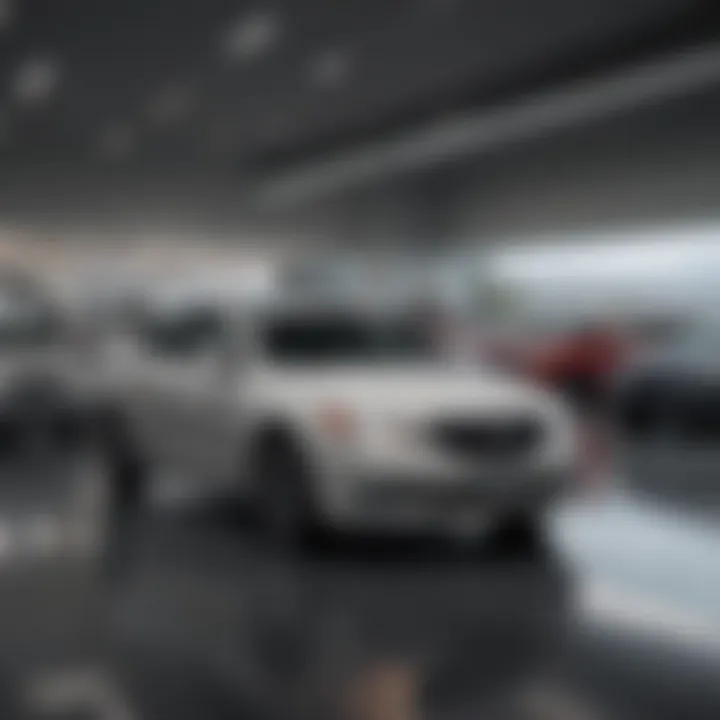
(189, 618)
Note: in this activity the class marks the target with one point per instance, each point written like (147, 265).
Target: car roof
(274, 289)
(229, 287)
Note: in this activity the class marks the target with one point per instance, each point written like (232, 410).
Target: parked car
(43, 400)
(673, 391)
(343, 416)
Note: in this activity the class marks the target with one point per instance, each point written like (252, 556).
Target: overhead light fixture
(222, 139)
(543, 114)
(36, 81)
(330, 68)
(172, 104)
(276, 125)
(251, 36)
(116, 141)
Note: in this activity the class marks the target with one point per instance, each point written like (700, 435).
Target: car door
(132, 373)
(144, 374)
(193, 391)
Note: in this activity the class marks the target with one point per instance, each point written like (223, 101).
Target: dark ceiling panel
(332, 69)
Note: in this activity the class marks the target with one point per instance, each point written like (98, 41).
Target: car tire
(127, 471)
(127, 488)
(282, 496)
(128, 476)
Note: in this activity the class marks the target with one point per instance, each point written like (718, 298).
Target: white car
(42, 406)
(345, 416)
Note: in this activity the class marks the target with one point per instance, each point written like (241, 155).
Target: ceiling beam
(476, 133)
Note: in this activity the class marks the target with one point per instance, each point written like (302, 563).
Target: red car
(581, 363)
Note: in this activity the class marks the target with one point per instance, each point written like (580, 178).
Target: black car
(674, 391)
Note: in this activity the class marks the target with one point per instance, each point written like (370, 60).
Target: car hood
(410, 389)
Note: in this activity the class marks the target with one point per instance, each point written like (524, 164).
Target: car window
(345, 338)
(182, 331)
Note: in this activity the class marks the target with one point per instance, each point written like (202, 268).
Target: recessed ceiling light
(276, 125)
(36, 81)
(222, 138)
(172, 104)
(251, 36)
(116, 141)
(330, 68)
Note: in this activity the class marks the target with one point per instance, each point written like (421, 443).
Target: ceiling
(91, 85)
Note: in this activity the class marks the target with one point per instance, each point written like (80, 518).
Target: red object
(594, 354)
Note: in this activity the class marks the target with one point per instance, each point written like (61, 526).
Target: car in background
(580, 363)
(672, 391)
(578, 360)
(44, 391)
(339, 415)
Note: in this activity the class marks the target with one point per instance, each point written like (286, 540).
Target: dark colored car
(673, 392)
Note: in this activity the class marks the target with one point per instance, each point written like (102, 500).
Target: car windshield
(345, 338)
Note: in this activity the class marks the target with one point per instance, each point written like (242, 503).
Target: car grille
(488, 440)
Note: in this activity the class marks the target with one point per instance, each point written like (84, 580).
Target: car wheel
(127, 489)
(126, 470)
(128, 476)
(282, 497)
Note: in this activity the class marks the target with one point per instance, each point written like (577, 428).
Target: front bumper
(398, 501)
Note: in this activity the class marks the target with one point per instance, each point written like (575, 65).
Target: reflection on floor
(306, 636)
(191, 618)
